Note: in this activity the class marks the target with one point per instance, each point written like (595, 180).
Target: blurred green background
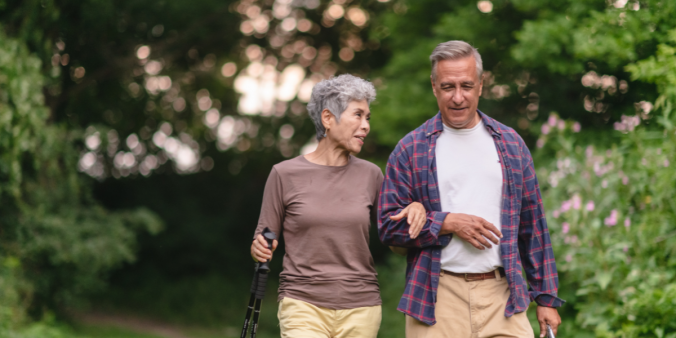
(136, 138)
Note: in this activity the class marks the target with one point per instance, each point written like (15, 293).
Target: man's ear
(434, 89)
(481, 83)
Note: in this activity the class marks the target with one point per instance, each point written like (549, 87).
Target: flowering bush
(612, 217)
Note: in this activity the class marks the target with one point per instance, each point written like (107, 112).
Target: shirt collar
(436, 125)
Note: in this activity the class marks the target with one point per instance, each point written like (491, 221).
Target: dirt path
(131, 323)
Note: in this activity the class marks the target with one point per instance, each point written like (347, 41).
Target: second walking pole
(258, 289)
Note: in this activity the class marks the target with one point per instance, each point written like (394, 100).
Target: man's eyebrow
(471, 83)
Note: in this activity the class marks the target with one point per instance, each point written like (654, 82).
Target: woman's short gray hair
(335, 94)
(454, 50)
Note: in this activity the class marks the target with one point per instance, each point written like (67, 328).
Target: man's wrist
(446, 225)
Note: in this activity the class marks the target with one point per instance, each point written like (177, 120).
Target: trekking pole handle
(269, 236)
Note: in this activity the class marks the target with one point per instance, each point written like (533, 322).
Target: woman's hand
(416, 216)
(260, 251)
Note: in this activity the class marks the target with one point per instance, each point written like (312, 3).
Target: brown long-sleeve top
(324, 214)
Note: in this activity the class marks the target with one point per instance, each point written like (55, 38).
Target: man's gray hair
(335, 94)
(454, 50)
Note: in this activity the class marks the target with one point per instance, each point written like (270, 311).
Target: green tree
(56, 243)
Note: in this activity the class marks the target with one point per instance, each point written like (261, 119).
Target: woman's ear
(327, 119)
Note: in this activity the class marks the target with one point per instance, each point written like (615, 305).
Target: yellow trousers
(299, 319)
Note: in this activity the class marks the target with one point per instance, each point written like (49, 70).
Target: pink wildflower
(577, 127)
(545, 129)
(577, 202)
(612, 219)
(625, 180)
(540, 143)
(556, 214)
(590, 206)
(569, 258)
(627, 222)
(666, 163)
(589, 152)
(565, 206)
(566, 227)
(561, 125)
(552, 120)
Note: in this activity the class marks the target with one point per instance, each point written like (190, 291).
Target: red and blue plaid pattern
(411, 176)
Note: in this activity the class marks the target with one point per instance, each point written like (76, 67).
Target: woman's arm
(272, 217)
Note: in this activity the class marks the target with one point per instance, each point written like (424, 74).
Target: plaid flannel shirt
(411, 176)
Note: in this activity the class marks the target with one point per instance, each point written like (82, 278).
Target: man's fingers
(476, 244)
(543, 328)
(274, 244)
(491, 228)
(490, 236)
(484, 242)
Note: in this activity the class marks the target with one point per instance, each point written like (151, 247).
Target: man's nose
(457, 97)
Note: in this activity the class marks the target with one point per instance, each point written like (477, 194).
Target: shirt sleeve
(374, 208)
(272, 209)
(535, 246)
(397, 193)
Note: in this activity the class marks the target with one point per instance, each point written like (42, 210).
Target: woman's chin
(355, 149)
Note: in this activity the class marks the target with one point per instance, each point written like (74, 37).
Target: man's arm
(395, 195)
(535, 248)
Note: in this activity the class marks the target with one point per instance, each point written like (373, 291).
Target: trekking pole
(260, 279)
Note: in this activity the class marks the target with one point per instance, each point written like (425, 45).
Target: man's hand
(548, 315)
(415, 216)
(472, 229)
(260, 251)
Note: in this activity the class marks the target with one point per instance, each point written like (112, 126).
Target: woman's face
(349, 133)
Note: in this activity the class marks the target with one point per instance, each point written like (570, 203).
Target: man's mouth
(361, 138)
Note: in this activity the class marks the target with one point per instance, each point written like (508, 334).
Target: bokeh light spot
(358, 16)
(229, 69)
(286, 131)
(485, 6)
(143, 52)
(346, 54)
(335, 12)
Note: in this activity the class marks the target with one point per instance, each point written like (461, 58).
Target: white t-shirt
(470, 182)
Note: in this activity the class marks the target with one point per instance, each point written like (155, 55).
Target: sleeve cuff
(437, 221)
(545, 299)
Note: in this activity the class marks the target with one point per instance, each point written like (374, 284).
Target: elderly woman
(323, 203)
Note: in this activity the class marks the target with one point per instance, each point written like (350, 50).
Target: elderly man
(485, 222)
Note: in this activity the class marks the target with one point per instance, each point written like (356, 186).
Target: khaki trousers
(471, 309)
(299, 319)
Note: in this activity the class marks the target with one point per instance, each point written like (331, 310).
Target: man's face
(457, 89)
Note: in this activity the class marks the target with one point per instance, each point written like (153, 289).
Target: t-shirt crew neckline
(349, 161)
(461, 132)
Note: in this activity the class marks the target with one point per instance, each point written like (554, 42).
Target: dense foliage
(56, 242)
